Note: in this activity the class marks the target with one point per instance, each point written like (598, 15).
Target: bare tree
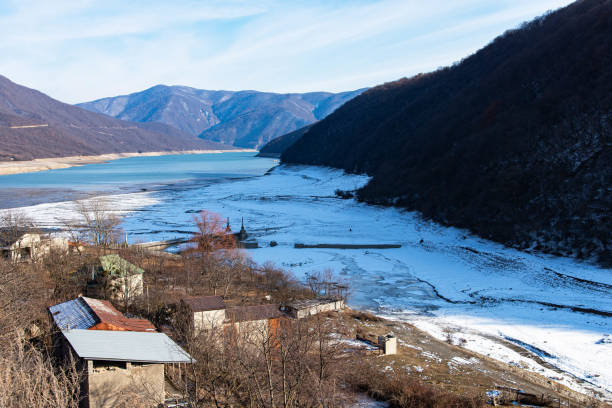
(98, 223)
(326, 284)
(211, 236)
(214, 252)
(27, 376)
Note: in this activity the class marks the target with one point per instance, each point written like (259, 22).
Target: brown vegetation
(28, 377)
(400, 390)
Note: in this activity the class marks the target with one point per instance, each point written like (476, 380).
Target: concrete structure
(388, 344)
(109, 381)
(300, 309)
(204, 312)
(21, 248)
(122, 364)
(120, 357)
(28, 246)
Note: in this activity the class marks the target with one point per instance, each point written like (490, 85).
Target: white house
(207, 312)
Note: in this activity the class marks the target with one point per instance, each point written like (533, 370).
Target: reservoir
(127, 175)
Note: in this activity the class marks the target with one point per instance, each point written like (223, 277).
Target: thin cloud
(82, 50)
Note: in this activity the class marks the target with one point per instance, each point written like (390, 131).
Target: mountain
(513, 142)
(33, 125)
(275, 147)
(244, 118)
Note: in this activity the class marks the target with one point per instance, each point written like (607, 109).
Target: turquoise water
(143, 170)
(125, 175)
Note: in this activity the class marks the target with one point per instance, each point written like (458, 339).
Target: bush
(400, 390)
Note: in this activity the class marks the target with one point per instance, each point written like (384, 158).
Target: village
(130, 325)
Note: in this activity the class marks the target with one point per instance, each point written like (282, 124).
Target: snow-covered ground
(556, 309)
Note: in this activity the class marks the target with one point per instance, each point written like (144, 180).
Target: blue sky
(79, 50)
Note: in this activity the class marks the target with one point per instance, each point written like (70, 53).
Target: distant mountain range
(244, 118)
(33, 125)
(513, 143)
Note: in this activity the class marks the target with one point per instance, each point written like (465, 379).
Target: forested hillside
(513, 142)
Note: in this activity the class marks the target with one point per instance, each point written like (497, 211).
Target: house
(121, 279)
(118, 356)
(253, 320)
(204, 312)
(19, 247)
(211, 313)
(300, 309)
(123, 363)
(27, 245)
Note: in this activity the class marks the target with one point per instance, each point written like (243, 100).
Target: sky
(81, 50)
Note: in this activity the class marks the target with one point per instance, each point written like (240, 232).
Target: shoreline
(53, 163)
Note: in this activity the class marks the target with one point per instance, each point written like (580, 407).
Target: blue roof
(73, 314)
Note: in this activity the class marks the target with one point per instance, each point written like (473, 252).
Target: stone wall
(111, 382)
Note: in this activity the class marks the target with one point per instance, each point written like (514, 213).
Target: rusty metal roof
(204, 303)
(112, 319)
(252, 313)
(95, 314)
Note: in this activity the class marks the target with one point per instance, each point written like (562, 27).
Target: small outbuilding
(300, 309)
(204, 312)
(118, 278)
(119, 356)
(123, 363)
(388, 344)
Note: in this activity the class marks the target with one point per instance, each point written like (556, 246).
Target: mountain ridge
(34, 125)
(241, 118)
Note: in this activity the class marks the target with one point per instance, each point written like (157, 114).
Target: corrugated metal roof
(95, 314)
(114, 265)
(126, 346)
(111, 319)
(73, 314)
